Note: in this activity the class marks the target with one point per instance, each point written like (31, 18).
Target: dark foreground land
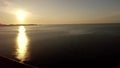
(9, 63)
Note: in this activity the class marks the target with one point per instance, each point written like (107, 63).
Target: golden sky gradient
(59, 11)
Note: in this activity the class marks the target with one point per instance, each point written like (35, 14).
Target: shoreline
(10, 63)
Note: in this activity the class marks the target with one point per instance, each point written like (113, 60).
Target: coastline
(10, 63)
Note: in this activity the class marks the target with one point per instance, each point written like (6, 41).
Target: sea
(62, 45)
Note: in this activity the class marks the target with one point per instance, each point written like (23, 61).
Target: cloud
(6, 5)
(113, 17)
(9, 6)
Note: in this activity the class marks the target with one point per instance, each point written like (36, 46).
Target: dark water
(63, 46)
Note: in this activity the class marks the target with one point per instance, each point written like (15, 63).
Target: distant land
(57, 24)
(19, 24)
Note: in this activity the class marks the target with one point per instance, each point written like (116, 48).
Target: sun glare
(21, 15)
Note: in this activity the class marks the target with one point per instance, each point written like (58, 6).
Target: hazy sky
(61, 11)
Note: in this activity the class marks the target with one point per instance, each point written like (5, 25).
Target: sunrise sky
(59, 11)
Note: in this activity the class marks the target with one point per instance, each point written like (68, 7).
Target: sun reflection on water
(22, 44)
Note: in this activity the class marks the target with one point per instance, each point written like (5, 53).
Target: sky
(59, 11)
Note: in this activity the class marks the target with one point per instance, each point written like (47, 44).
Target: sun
(21, 15)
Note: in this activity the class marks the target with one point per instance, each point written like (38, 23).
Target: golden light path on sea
(22, 44)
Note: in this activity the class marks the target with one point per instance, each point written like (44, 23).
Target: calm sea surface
(62, 46)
